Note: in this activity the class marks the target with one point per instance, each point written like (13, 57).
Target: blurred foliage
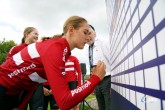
(5, 46)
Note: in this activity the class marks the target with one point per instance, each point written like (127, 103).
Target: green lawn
(80, 105)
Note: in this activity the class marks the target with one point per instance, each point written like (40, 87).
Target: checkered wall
(137, 41)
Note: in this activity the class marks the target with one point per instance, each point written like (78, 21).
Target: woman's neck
(69, 42)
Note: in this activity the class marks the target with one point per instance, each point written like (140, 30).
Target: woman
(30, 35)
(42, 61)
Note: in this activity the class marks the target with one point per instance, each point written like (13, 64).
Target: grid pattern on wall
(137, 41)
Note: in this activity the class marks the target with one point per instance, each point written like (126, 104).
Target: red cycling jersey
(15, 49)
(73, 70)
(39, 62)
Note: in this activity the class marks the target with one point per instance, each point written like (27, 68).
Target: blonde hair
(54, 36)
(75, 21)
(27, 30)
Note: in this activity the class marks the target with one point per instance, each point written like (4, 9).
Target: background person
(48, 98)
(100, 50)
(73, 74)
(30, 35)
(42, 61)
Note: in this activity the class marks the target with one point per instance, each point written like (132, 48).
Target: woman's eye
(85, 33)
(89, 33)
(36, 34)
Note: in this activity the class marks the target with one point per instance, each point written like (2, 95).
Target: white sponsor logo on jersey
(21, 70)
(79, 89)
(64, 54)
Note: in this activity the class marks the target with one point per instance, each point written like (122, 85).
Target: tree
(5, 46)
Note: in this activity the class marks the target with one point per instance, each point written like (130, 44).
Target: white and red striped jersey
(39, 62)
(15, 49)
(73, 70)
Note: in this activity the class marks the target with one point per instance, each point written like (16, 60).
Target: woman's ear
(26, 35)
(71, 29)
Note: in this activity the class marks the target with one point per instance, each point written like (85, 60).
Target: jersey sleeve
(15, 49)
(54, 63)
(11, 52)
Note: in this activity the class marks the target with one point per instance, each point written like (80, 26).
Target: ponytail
(53, 37)
(58, 35)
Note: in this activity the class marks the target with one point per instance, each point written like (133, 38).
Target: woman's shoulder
(17, 48)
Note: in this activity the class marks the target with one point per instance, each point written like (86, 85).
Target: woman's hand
(50, 91)
(46, 91)
(99, 70)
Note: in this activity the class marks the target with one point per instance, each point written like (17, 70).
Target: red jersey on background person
(42, 61)
(73, 71)
(73, 74)
(30, 35)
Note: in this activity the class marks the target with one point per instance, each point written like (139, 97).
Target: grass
(80, 105)
(90, 97)
(86, 107)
